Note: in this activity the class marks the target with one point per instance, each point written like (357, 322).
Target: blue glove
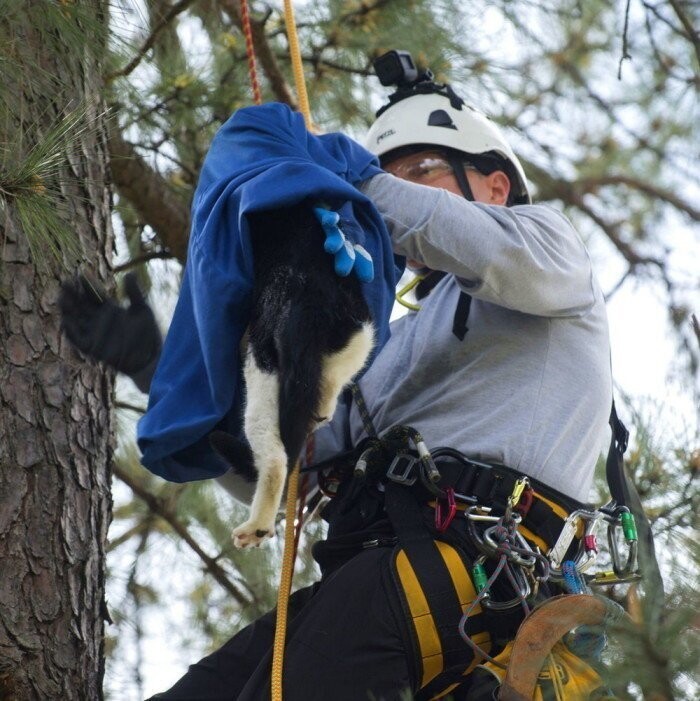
(348, 256)
(364, 267)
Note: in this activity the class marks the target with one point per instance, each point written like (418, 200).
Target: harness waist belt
(544, 509)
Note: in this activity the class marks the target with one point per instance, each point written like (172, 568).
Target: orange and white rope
(250, 52)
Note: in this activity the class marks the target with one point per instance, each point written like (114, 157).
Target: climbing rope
(297, 66)
(285, 585)
(291, 536)
(250, 52)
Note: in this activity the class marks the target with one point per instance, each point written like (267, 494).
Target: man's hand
(126, 339)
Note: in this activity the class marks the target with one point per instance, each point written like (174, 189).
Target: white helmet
(432, 119)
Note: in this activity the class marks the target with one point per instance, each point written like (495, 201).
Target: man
(507, 362)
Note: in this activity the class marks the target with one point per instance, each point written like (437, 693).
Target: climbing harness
(492, 531)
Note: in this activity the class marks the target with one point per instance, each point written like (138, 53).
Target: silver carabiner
(524, 592)
(583, 558)
(492, 545)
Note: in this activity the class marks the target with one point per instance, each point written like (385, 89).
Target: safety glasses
(423, 168)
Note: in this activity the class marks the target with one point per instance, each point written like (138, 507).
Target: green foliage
(32, 163)
(30, 184)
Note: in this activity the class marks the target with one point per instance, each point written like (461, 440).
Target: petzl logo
(383, 135)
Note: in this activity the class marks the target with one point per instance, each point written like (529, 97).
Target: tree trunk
(55, 425)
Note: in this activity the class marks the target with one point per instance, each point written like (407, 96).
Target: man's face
(431, 168)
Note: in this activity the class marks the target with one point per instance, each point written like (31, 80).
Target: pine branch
(611, 231)
(693, 35)
(152, 255)
(128, 535)
(569, 192)
(592, 184)
(174, 11)
(159, 507)
(150, 195)
(130, 407)
(315, 60)
(618, 285)
(625, 54)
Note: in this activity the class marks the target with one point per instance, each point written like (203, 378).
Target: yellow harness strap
(423, 617)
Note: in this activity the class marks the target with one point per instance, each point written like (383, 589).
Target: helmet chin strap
(464, 301)
(458, 169)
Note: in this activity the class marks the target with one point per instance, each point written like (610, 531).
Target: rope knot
(502, 536)
(501, 533)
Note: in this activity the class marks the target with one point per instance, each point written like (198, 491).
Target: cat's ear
(236, 452)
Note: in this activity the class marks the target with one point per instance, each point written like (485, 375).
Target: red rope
(250, 52)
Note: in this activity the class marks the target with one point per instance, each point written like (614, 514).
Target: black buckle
(401, 468)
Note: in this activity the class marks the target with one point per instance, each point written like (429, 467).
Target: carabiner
(629, 569)
(522, 594)
(443, 520)
(518, 488)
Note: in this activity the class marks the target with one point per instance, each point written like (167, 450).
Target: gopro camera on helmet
(397, 68)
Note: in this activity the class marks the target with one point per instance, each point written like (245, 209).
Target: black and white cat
(310, 333)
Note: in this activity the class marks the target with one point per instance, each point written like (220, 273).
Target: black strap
(456, 161)
(614, 466)
(624, 493)
(459, 324)
(363, 410)
(426, 285)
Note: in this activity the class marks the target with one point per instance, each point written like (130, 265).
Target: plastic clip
(401, 469)
(443, 520)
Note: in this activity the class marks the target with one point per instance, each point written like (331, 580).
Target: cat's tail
(300, 366)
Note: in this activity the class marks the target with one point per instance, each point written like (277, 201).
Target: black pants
(347, 640)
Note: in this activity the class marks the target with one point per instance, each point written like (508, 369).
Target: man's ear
(499, 187)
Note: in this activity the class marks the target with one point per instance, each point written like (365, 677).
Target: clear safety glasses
(423, 168)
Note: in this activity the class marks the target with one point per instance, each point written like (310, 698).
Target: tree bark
(55, 425)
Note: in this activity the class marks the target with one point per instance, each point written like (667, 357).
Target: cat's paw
(252, 534)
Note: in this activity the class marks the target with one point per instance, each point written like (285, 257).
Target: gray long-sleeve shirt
(530, 385)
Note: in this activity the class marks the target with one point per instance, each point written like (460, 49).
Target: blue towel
(261, 158)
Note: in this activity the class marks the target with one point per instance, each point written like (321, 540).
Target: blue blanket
(261, 158)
